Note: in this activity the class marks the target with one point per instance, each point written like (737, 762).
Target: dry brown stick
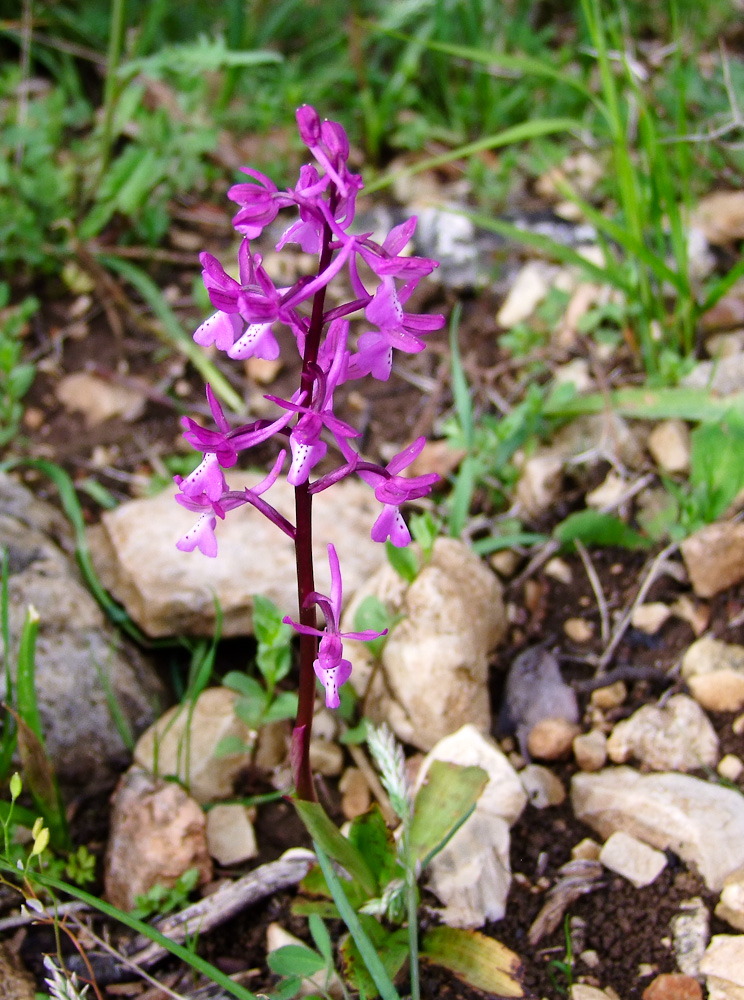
(596, 586)
(223, 904)
(640, 597)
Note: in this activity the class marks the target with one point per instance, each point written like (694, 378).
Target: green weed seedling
(716, 479)
(563, 967)
(16, 376)
(379, 892)
(301, 966)
(490, 443)
(407, 562)
(260, 702)
(162, 899)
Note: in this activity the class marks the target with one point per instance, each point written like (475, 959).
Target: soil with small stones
(622, 932)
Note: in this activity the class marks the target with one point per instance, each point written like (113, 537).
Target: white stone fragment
(542, 786)
(690, 928)
(731, 903)
(649, 618)
(730, 767)
(434, 676)
(700, 821)
(531, 286)
(723, 966)
(231, 838)
(669, 444)
(714, 672)
(168, 592)
(183, 743)
(631, 858)
(472, 875)
(677, 736)
(590, 750)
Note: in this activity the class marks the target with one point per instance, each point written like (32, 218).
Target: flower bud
(16, 786)
(308, 122)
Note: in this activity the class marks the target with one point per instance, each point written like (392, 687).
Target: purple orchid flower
(260, 203)
(304, 440)
(202, 535)
(396, 329)
(393, 490)
(221, 448)
(330, 668)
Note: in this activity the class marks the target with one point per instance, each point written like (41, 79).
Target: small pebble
(611, 696)
(551, 739)
(637, 862)
(505, 563)
(586, 850)
(737, 726)
(730, 766)
(649, 618)
(558, 569)
(578, 629)
(590, 750)
(542, 786)
(673, 986)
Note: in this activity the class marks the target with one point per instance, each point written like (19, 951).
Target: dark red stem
(304, 786)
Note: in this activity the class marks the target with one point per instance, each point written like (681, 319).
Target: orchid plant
(248, 312)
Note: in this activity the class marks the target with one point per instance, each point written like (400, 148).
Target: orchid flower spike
(330, 668)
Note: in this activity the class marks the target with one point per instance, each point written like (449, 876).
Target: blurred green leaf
(442, 805)
(592, 527)
(323, 830)
(295, 960)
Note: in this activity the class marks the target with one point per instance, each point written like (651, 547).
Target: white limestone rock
(723, 967)
(731, 903)
(669, 444)
(472, 875)
(677, 736)
(231, 838)
(714, 556)
(714, 672)
(157, 834)
(434, 676)
(168, 592)
(631, 858)
(701, 822)
(542, 786)
(184, 743)
(690, 927)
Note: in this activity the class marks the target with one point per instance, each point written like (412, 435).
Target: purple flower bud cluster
(248, 311)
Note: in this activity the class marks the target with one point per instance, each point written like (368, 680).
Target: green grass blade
(628, 242)
(650, 404)
(534, 129)
(194, 961)
(460, 387)
(718, 288)
(366, 949)
(26, 702)
(38, 769)
(120, 720)
(173, 333)
(524, 65)
(9, 737)
(550, 248)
